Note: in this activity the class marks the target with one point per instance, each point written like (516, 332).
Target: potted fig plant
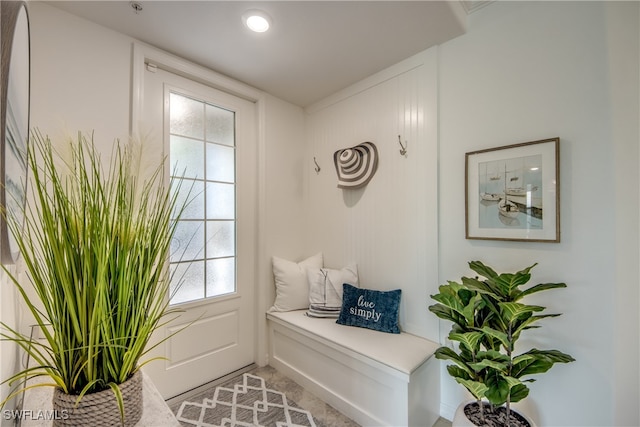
(94, 245)
(488, 319)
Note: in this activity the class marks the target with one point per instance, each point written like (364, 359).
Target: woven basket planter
(100, 409)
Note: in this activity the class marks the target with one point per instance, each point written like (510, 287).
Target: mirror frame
(10, 12)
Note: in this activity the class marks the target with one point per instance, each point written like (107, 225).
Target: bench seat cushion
(403, 352)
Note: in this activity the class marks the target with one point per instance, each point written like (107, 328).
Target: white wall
(624, 70)
(9, 355)
(283, 215)
(528, 71)
(80, 76)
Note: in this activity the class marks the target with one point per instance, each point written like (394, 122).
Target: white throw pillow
(292, 288)
(325, 285)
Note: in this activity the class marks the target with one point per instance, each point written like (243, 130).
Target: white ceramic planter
(461, 420)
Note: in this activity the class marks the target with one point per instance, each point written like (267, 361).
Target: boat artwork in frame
(513, 192)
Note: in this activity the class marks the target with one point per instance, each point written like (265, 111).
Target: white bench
(373, 377)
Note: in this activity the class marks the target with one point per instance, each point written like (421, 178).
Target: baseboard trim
(447, 411)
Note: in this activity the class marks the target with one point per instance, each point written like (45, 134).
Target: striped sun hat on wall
(356, 165)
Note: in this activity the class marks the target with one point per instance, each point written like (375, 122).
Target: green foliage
(95, 246)
(488, 319)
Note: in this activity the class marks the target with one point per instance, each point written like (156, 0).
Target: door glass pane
(220, 125)
(186, 116)
(220, 201)
(191, 193)
(187, 157)
(202, 149)
(186, 282)
(220, 239)
(188, 241)
(220, 163)
(221, 276)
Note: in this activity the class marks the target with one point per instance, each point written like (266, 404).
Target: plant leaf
(500, 336)
(445, 353)
(537, 362)
(471, 340)
(488, 363)
(514, 310)
(554, 356)
(119, 399)
(498, 388)
(518, 392)
(541, 287)
(482, 269)
(477, 389)
(479, 286)
(457, 372)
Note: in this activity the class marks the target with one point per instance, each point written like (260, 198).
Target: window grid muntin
(205, 259)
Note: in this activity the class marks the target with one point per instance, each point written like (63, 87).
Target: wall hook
(403, 148)
(317, 167)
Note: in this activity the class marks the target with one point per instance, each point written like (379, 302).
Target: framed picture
(513, 192)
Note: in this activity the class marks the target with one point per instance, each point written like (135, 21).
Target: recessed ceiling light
(136, 6)
(256, 20)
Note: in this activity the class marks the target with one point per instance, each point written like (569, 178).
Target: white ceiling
(315, 48)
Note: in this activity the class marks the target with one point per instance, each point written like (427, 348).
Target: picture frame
(512, 192)
(15, 76)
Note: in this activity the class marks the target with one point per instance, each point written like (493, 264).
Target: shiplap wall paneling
(389, 227)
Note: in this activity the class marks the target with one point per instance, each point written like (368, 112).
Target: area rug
(249, 402)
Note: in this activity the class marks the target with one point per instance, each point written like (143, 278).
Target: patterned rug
(247, 403)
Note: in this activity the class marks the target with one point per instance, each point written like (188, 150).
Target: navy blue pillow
(371, 309)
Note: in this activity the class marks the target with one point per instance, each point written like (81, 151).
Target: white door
(209, 138)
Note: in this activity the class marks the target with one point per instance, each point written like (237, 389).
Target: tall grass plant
(94, 243)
